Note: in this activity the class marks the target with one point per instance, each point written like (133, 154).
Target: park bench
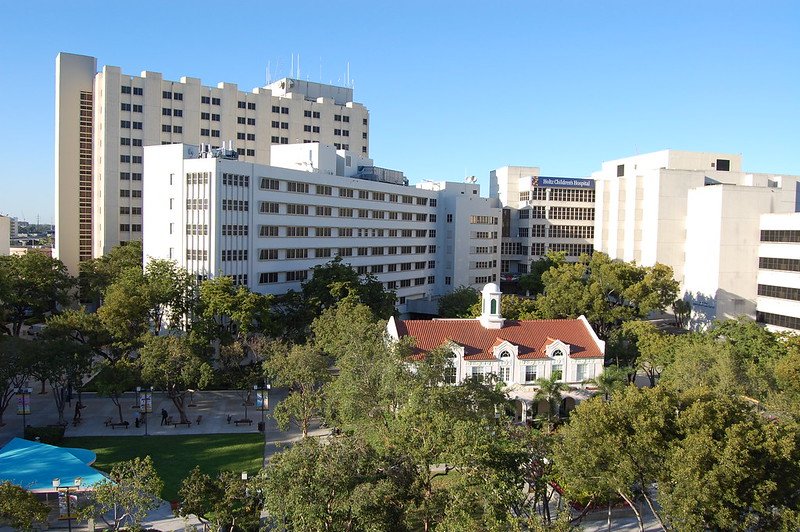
(243, 422)
(174, 423)
(115, 425)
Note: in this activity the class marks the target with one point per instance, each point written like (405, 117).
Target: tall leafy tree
(608, 292)
(96, 275)
(531, 282)
(225, 501)
(731, 468)
(169, 364)
(332, 282)
(32, 286)
(15, 368)
(617, 449)
(20, 508)
(343, 484)
(140, 301)
(64, 365)
(550, 391)
(132, 490)
(304, 370)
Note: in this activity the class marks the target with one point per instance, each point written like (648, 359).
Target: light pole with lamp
(57, 486)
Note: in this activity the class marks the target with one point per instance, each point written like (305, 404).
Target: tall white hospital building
(105, 119)
(266, 226)
(696, 212)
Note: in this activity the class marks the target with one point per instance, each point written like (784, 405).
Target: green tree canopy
(459, 302)
(608, 292)
(32, 286)
(21, 509)
(96, 275)
(133, 489)
(531, 283)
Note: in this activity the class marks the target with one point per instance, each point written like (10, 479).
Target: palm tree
(612, 379)
(550, 390)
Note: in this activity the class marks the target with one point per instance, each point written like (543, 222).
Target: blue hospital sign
(563, 182)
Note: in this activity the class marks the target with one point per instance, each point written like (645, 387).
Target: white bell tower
(490, 307)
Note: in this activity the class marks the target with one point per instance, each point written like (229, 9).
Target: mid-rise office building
(105, 118)
(268, 226)
(542, 214)
(697, 213)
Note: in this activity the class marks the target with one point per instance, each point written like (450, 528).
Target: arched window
(505, 354)
(493, 307)
(558, 353)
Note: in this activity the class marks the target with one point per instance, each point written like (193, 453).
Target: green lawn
(175, 456)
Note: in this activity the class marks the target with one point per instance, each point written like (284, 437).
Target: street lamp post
(145, 404)
(77, 486)
(24, 405)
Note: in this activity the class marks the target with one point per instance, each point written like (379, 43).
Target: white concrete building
(778, 300)
(518, 352)
(695, 212)
(267, 226)
(542, 214)
(104, 119)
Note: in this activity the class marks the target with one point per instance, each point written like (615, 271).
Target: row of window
(125, 193)
(136, 91)
(773, 263)
(127, 141)
(558, 213)
(196, 229)
(790, 322)
(302, 275)
(483, 234)
(782, 292)
(483, 264)
(780, 235)
(135, 228)
(300, 187)
(235, 205)
(558, 194)
(483, 279)
(305, 253)
(301, 209)
(233, 254)
(130, 210)
(235, 230)
(484, 220)
(135, 159)
(135, 108)
(133, 176)
(558, 231)
(236, 180)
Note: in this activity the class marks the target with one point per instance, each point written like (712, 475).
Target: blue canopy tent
(34, 465)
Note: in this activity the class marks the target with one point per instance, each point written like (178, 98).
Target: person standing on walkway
(164, 416)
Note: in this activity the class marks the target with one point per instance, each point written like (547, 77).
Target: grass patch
(175, 456)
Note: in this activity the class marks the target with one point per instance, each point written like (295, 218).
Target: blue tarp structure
(34, 465)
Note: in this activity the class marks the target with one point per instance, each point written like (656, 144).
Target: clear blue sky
(453, 88)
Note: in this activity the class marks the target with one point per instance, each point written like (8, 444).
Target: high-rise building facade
(268, 226)
(105, 119)
(542, 214)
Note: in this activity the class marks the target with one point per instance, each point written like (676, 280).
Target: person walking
(164, 416)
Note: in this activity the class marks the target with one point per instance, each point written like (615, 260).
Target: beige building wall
(5, 234)
(73, 168)
(131, 112)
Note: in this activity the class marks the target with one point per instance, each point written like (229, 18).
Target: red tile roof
(531, 337)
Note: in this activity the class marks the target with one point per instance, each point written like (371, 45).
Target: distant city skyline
(453, 89)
